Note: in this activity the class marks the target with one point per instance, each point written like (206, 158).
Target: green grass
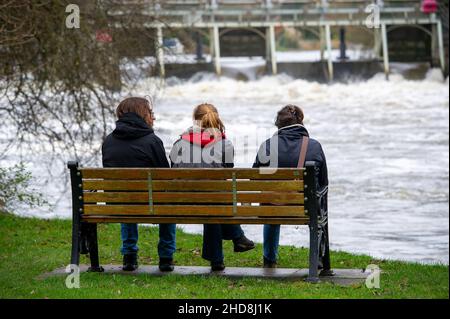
(31, 247)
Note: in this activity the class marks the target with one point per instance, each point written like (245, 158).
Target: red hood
(202, 139)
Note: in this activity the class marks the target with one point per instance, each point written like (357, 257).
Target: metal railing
(260, 13)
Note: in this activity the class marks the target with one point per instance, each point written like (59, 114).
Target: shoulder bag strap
(303, 149)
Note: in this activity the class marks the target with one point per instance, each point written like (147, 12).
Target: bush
(15, 189)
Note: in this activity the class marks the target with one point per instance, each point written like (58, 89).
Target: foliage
(60, 85)
(15, 188)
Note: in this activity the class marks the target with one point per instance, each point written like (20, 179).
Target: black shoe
(269, 264)
(242, 244)
(130, 262)
(217, 266)
(166, 264)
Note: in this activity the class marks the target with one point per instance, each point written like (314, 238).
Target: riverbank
(30, 247)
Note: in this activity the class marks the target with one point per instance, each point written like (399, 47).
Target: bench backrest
(192, 195)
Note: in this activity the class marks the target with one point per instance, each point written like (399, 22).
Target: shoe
(242, 244)
(130, 262)
(166, 264)
(217, 266)
(269, 264)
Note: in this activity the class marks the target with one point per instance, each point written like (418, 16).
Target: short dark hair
(138, 105)
(289, 115)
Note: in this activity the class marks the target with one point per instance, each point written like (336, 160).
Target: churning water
(387, 147)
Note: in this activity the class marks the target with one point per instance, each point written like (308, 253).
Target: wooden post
(273, 52)
(211, 44)
(160, 52)
(217, 50)
(267, 48)
(434, 46)
(330, 58)
(377, 42)
(441, 45)
(385, 50)
(322, 43)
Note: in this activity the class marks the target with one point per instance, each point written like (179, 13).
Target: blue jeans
(212, 240)
(271, 242)
(166, 244)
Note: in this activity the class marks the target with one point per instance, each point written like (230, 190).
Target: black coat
(289, 142)
(133, 144)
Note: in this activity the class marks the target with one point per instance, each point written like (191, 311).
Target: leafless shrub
(59, 86)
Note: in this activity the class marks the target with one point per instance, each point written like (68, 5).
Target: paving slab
(341, 276)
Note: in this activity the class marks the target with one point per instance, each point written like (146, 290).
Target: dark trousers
(213, 234)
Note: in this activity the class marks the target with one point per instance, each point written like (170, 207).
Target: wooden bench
(198, 196)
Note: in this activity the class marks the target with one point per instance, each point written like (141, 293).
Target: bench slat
(202, 173)
(220, 198)
(191, 210)
(196, 220)
(189, 185)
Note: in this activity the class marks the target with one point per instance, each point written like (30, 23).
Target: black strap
(224, 164)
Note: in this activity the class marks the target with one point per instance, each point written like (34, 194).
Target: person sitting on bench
(205, 146)
(133, 143)
(289, 138)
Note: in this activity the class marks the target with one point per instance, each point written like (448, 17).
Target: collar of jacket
(131, 126)
(198, 136)
(296, 129)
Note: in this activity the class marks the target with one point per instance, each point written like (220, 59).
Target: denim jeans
(166, 244)
(271, 241)
(213, 234)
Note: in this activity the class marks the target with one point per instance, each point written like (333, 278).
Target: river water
(387, 147)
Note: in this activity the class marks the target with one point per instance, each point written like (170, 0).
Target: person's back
(133, 143)
(205, 146)
(198, 148)
(282, 150)
(288, 141)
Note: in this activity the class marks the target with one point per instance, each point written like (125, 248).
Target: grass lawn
(30, 247)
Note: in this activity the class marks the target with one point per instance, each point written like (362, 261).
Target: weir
(219, 21)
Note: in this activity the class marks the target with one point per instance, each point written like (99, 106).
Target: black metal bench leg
(313, 275)
(93, 248)
(326, 271)
(312, 210)
(77, 204)
(75, 255)
(326, 257)
(84, 246)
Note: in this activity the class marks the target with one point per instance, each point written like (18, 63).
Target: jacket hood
(294, 131)
(201, 138)
(131, 126)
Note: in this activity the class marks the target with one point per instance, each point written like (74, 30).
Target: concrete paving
(341, 276)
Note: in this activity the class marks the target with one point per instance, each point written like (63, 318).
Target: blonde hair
(208, 118)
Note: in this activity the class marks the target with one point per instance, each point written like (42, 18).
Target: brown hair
(138, 105)
(289, 115)
(208, 117)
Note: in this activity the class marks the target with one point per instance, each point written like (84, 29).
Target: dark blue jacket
(289, 142)
(133, 144)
